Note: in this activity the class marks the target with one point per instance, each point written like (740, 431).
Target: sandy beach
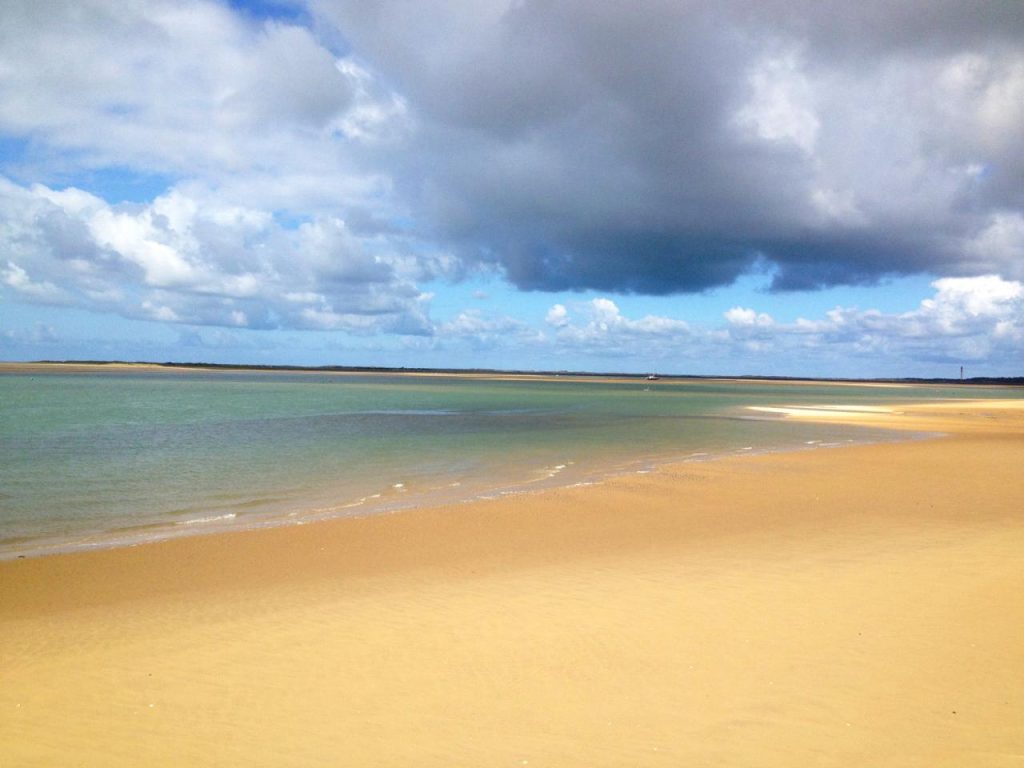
(835, 607)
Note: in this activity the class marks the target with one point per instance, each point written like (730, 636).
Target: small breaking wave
(208, 520)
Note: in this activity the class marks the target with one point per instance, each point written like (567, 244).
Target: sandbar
(861, 605)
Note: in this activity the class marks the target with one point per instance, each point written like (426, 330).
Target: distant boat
(653, 377)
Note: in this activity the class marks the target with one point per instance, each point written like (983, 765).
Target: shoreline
(874, 417)
(898, 421)
(216, 522)
(860, 605)
(552, 376)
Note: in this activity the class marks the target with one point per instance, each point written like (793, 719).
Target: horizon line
(976, 380)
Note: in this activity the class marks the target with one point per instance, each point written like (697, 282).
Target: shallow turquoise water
(90, 459)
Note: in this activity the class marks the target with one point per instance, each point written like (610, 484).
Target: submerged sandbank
(852, 606)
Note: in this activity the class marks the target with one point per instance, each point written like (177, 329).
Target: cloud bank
(188, 259)
(977, 322)
(967, 320)
(662, 147)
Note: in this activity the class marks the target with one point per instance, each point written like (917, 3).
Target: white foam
(210, 519)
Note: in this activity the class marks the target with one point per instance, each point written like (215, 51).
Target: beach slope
(849, 606)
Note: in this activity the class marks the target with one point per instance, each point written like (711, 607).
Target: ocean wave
(209, 519)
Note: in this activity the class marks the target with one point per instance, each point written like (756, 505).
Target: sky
(739, 187)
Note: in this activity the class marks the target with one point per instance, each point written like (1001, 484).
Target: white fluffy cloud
(194, 260)
(742, 317)
(966, 320)
(275, 214)
(485, 332)
(190, 89)
(558, 316)
(603, 328)
(17, 278)
(260, 114)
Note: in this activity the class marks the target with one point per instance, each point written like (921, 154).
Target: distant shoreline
(42, 365)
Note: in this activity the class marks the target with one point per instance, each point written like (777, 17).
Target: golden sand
(843, 607)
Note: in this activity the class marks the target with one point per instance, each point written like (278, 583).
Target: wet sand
(849, 606)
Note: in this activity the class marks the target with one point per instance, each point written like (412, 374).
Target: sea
(118, 457)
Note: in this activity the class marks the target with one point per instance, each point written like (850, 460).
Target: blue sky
(684, 188)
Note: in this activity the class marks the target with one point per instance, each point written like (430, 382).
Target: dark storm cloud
(632, 262)
(656, 147)
(877, 28)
